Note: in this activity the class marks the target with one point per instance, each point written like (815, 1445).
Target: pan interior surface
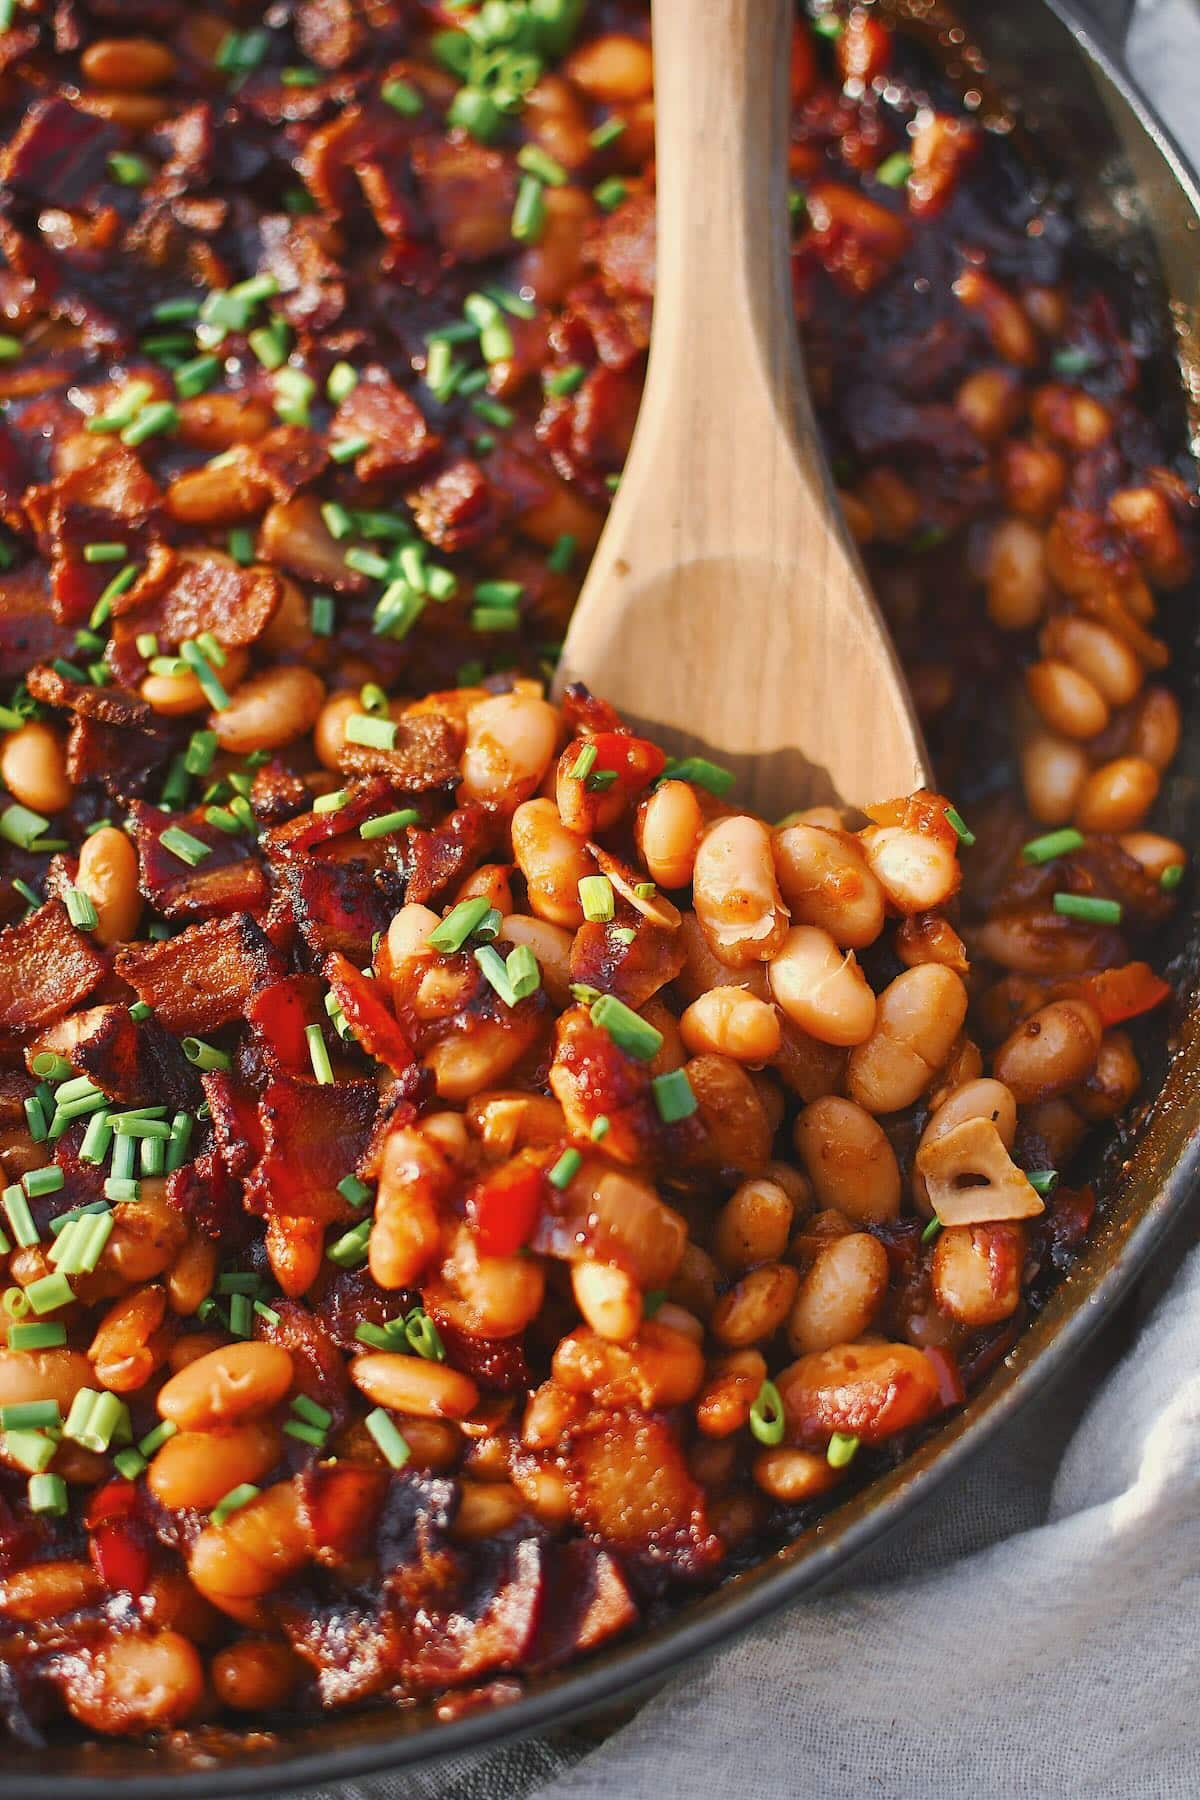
(1082, 126)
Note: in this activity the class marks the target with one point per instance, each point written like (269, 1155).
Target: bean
(255, 1675)
(1066, 700)
(33, 767)
(329, 731)
(755, 1307)
(128, 64)
(1157, 727)
(1001, 315)
(735, 892)
(475, 1059)
(238, 1382)
(919, 1016)
(254, 1550)
(821, 988)
(840, 1294)
(553, 861)
(1017, 584)
(510, 743)
(134, 1683)
(270, 710)
(1050, 1052)
(824, 879)
(1143, 514)
(1053, 772)
(753, 1226)
(43, 1375)
(738, 1128)
(414, 1177)
(490, 883)
(48, 1590)
(732, 1023)
(723, 1404)
(614, 68)
(191, 1276)
(508, 1120)
(546, 1492)
(694, 1283)
(1156, 854)
(187, 1350)
(989, 401)
(847, 1157)
(485, 1508)
(1117, 796)
(128, 1346)
(175, 696)
(136, 112)
(867, 1391)
(489, 1296)
(108, 875)
(793, 1476)
(669, 825)
(976, 1272)
(608, 1299)
(219, 422)
(406, 1384)
(555, 119)
(1113, 1081)
(918, 871)
(220, 496)
(551, 944)
(549, 1412)
(1031, 478)
(196, 1468)
(1071, 417)
(1098, 653)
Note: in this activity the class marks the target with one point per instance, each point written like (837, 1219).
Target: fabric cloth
(1034, 1632)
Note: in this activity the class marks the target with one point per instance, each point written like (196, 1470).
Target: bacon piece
(363, 1009)
(468, 192)
(320, 1367)
(135, 1061)
(366, 799)
(337, 906)
(209, 1197)
(401, 440)
(591, 1076)
(630, 1486)
(235, 1121)
(587, 1602)
(855, 239)
(46, 968)
(443, 855)
(619, 328)
(313, 1138)
(424, 756)
(329, 32)
(57, 154)
(228, 880)
(28, 629)
(493, 1621)
(205, 591)
(496, 1363)
(105, 705)
(124, 761)
(280, 1014)
(458, 508)
(296, 251)
(624, 246)
(204, 977)
(633, 972)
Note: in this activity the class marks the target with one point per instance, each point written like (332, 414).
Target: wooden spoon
(726, 611)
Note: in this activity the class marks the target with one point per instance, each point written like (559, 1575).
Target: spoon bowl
(726, 610)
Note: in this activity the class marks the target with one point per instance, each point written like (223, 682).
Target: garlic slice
(972, 1180)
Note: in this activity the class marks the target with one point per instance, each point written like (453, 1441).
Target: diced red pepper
(1123, 993)
(115, 1500)
(951, 1391)
(504, 1209)
(635, 760)
(121, 1560)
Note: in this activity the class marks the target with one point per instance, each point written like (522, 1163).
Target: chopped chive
(894, 170)
(673, 1096)
(328, 803)
(321, 615)
(841, 1451)
(202, 669)
(609, 194)
(1042, 1181)
(129, 170)
(182, 844)
(103, 553)
(338, 522)
(48, 1494)
(524, 974)
(153, 1159)
(270, 344)
(495, 618)
(45, 1336)
(369, 563)
(565, 1169)
(454, 930)
(263, 1311)
(1088, 907)
(491, 967)
(423, 1336)
(26, 892)
(155, 1439)
(767, 1417)
(1053, 843)
(194, 377)
(94, 1234)
(536, 161)
(597, 898)
(150, 422)
(206, 1056)
(606, 133)
(635, 1035)
(402, 98)
(393, 821)
(129, 1464)
(241, 545)
(584, 763)
(393, 1447)
(182, 1126)
(140, 1011)
(529, 212)
(293, 392)
(566, 380)
(377, 734)
(241, 1315)
(827, 25)
(174, 312)
(931, 1230)
(493, 411)
(20, 826)
(700, 773)
(345, 450)
(81, 909)
(1171, 877)
(136, 1125)
(20, 1219)
(307, 1434)
(47, 1180)
(962, 830)
(562, 553)
(31, 1450)
(233, 1501)
(318, 1055)
(1072, 359)
(35, 1119)
(350, 1250)
(311, 1413)
(31, 1415)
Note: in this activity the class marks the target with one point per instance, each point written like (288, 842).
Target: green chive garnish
(635, 1035)
(1054, 843)
(767, 1418)
(1089, 908)
(673, 1096)
(841, 1451)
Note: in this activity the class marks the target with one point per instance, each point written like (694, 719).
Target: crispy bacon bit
(57, 153)
(312, 291)
(630, 1485)
(204, 977)
(856, 240)
(624, 247)
(439, 858)
(468, 192)
(138, 1063)
(280, 1014)
(424, 756)
(400, 440)
(312, 1138)
(235, 1121)
(229, 879)
(46, 968)
(588, 1601)
(205, 591)
(29, 630)
(207, 1195)
(338, 906)
(458, 508)
(363, 1009)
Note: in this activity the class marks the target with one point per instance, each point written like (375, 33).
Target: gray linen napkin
(1035, 1632)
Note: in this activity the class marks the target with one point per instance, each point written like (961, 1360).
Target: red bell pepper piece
(120, 1558)
(504, 1208)
(1123, 993)
(951, 1391)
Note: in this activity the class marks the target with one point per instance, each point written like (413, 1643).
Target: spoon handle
(725, 341)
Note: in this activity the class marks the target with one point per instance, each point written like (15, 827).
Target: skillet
(1083, 121)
